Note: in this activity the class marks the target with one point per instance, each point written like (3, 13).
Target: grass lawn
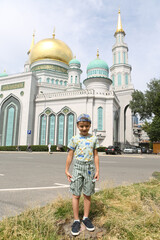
(125, 212)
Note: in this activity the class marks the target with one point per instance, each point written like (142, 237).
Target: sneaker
(88, 224)
(75, 228)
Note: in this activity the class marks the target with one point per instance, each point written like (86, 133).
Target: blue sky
(85, 26)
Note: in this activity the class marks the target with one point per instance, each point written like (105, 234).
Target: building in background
(40, 105)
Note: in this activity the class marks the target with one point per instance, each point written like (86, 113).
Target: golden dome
(51, 48)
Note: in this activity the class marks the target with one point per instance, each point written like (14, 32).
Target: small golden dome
(51, 48)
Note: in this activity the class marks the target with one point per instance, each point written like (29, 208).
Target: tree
(147, 105)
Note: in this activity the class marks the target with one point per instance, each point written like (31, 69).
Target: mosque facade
(40, 105)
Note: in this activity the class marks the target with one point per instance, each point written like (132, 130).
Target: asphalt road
(35, 179)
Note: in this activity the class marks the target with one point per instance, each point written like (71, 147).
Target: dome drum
(101, 83)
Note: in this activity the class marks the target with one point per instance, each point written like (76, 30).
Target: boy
(83, 149)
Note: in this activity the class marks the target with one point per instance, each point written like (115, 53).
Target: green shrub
(34, 148)
(101, 149)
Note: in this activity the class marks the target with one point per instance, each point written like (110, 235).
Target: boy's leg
(75, 205)
(87, 204)
(86, 221)
(75, 230)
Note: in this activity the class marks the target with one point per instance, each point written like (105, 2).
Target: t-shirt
(83, 147)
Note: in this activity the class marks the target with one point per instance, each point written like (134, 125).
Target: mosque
(40, 105)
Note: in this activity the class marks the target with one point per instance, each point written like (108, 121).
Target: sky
(84, 25)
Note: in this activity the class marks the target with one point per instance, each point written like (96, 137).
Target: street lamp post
(95, 131)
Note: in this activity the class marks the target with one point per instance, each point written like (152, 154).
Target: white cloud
(85, 26)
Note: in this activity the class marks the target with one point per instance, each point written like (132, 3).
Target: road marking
(1, 174)
(59, 185)
(35, 188)
(24, 157)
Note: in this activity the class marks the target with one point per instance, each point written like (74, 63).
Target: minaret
(32, 43)
(74, 75)
(120, 71)
(26, 65)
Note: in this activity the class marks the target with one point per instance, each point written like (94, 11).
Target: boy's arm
(68, 163)
(96, 161)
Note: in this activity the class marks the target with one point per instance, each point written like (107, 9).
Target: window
(71, 79)
(75, 79)
(124, 57)
(10, 126)
(52, 81)
(114, 58)
(65, 83)
(113, 81)
(119, 79)
(39, 80)
(119, 57)
(100, 119)
(9, 122)
(57, 82)
(126, 79)
(48, 80)
(51, 129)
(61, 82)
(61, 129)
(43, 130)
(70, 126)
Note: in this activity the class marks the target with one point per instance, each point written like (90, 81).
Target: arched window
(60, 129)
(124, 57)
(57, 82)
(100, 119)
(51, 129)
(70, 126)
(9, 122)
(48, 80)
(39, 80)
(10, 125)
(52, 81)
(126, 79)
(114, 58)
(71, 79)
(119, 79)
(113, 81)
(75, 79)
(65, 83)
(61, 82)
(119, 57)
(43, 123)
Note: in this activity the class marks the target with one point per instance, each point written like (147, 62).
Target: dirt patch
(98, 233)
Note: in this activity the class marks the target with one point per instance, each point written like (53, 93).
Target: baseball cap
(84, 118)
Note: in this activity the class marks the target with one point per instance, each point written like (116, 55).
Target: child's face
(84, 127)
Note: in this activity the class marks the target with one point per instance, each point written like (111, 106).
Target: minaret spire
(32, 43)
(119, 24)
(97, 53)
(53, 33)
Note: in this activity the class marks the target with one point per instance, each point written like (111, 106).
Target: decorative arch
(9, 119)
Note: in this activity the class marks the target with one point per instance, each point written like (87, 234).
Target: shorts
(82, 176)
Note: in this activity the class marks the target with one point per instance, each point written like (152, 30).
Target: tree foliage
(147, 105)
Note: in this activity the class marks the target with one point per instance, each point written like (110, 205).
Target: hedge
(40, 148)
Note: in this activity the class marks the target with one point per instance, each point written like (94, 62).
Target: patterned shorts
(82, 176)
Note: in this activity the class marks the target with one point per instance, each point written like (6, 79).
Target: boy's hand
(68, 176)
(96, 176)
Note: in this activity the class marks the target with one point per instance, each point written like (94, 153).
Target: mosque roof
(50, 48)
(4, 74)
(97, 63)
(74, 61)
